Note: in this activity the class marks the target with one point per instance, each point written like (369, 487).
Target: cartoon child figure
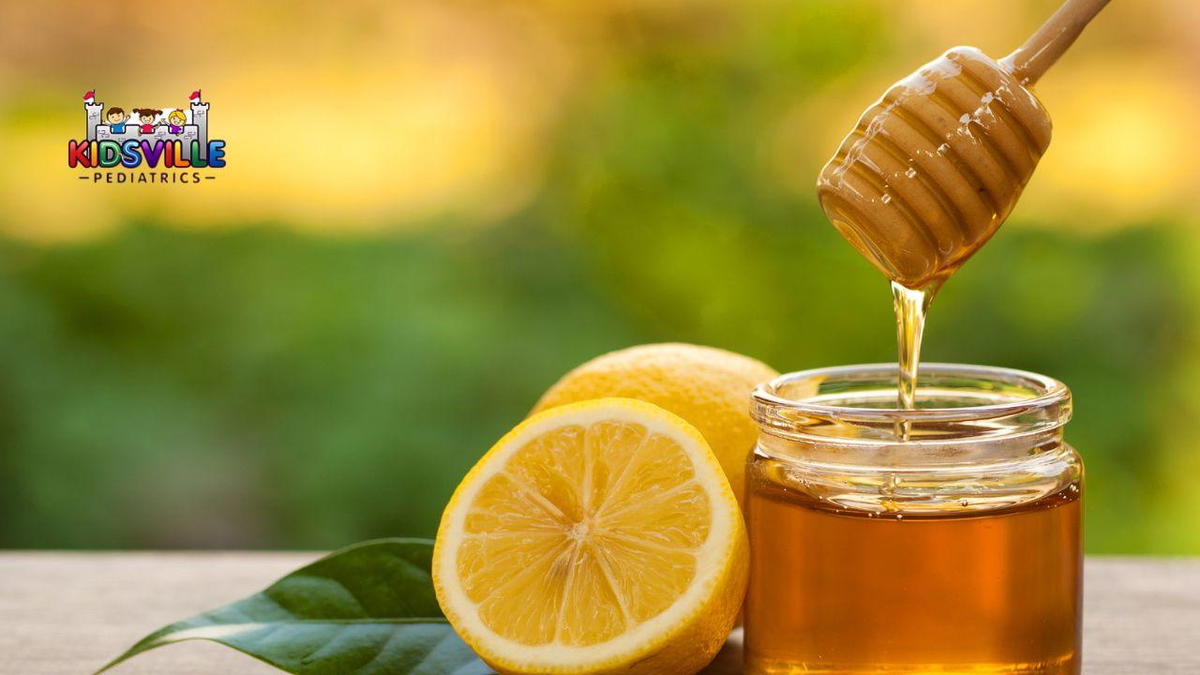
(175, 121)
(147, 117)
(117, 118)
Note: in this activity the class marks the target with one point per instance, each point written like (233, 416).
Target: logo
(146, 145)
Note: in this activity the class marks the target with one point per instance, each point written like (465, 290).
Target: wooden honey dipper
(935, 166)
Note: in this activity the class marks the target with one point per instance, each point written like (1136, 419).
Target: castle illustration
(197, 130)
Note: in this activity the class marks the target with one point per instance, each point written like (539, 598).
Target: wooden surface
(72, 612)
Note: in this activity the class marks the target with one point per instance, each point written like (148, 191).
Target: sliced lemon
(596, 537)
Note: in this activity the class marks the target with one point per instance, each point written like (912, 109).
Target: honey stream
(911, 306)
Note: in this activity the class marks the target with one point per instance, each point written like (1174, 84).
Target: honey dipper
(934, 167)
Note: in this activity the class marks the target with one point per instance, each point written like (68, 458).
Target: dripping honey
(922, 525)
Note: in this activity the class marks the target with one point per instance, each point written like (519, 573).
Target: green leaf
(368, 608)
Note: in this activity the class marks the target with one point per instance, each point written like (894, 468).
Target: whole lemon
(708, 387)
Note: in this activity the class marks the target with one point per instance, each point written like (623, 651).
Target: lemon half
(596, 537)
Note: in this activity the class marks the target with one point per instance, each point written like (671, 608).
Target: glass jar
(941, 539)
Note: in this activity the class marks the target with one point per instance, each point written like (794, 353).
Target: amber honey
(956, 550)
(853, 591)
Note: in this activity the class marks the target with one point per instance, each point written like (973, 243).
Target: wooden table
(71, 612)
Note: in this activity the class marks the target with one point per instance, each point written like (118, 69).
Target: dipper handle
(1031, 60)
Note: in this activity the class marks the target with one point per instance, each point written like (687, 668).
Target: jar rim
(1012, 401)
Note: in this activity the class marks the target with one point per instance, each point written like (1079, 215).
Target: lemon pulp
(592, 535)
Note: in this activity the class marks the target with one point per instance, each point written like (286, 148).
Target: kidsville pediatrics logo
(146, 145)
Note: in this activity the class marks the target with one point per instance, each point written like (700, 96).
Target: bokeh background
(434, 208)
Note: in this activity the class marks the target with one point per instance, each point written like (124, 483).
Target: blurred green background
(433, 209)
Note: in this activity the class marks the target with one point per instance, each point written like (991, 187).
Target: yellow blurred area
(407, 112)
(1124, 143)
(359, 117)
